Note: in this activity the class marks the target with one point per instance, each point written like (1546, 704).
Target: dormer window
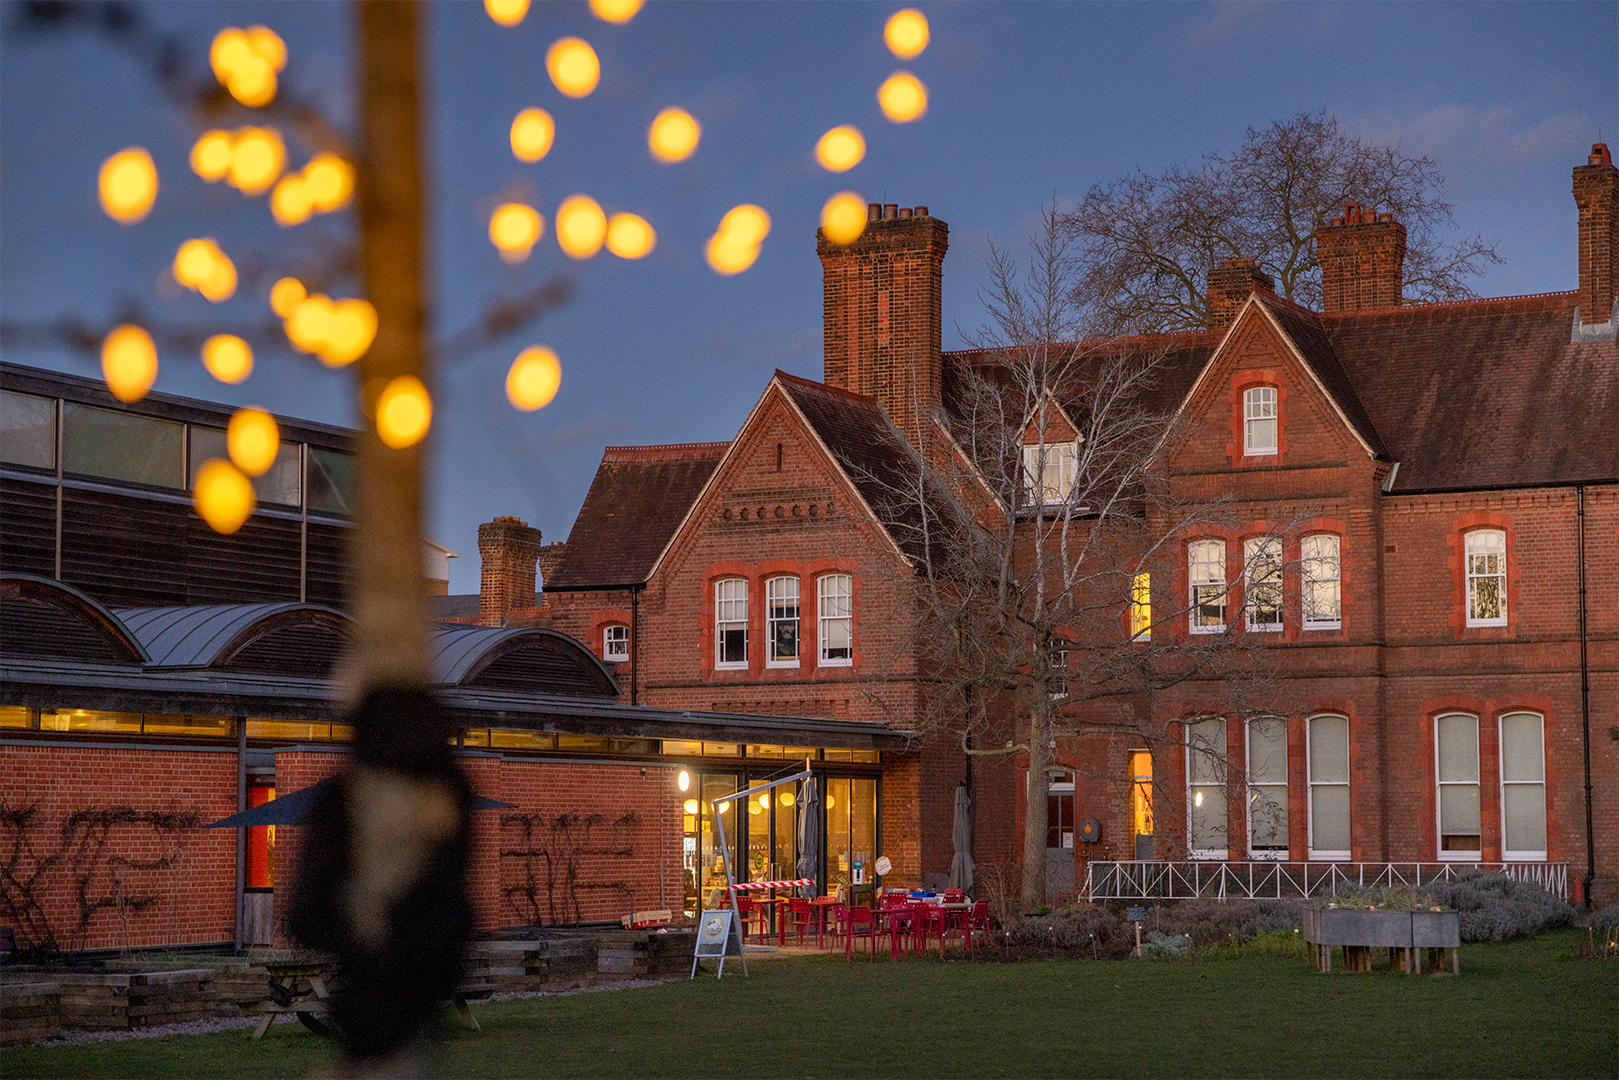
(1259, 420)
(1048, 472)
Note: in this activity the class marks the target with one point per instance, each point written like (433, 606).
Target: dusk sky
(1028, 103)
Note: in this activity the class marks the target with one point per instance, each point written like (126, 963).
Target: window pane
(1206, 752)
(89, 720)
(1458, 811)
(1267, 750)
(1522, 756)
(1329, 749)
(1141, 606)
(122, 446)
(217, 726)
(1525, 825)
(278, 484)
(1458, 749)
(1329, 817)
(1267, 817)
(331, 481)
(1319, 555)
(27, 430)
(1208, 818)
(781, 596)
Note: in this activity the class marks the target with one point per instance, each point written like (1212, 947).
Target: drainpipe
(1585, 697)
(635, 639)
(241, 834)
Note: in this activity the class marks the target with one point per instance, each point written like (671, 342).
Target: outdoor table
(284, 977)
(770, 910)
(822, 904)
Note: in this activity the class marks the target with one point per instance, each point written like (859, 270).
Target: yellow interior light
(252, 439)
(573, 66)
(230, 49)
(531, 383)
(290, 202)
(220, 284)
(831, 802)
(630, 236)
(285, 296)
(329, 181)
(690, 806)
(128, 184)
(506, 12)
(674, 135)
(404, 412)
(223, 496)
(843, 218)
(514, 229)
(841, 149)
(211, 155)
(533, 131)
(581, 226)
(903, 97)
(754, 807)
(618, 12)
(723, 807)
(786, 799)
(228, 358)
(246, 61)
(129, 362)
(200, 265)
(906, 33)
(683, 781)
(257, 158)
(764, 799)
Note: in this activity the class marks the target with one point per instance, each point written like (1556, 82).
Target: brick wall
(1596, 193)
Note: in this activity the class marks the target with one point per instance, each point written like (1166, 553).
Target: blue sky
(1028, 103)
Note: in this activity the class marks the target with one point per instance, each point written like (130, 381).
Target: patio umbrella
(961, 866)
(294, 808)
(809, 834)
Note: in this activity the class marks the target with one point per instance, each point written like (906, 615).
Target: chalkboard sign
(717, 936)
(1135, 914)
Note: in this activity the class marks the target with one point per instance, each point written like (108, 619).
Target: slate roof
(638, 499)
(1315, 345)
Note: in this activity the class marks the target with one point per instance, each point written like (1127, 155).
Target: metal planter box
(1357, 929)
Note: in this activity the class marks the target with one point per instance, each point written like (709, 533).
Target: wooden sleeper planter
(1359, 931)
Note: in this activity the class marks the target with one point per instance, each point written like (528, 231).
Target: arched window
(731, 623)
(616, 643)
(1322, 574)
(1456, 775)
(1267, 787)
(1523, 786)
(1205, 789)
(1328, 773)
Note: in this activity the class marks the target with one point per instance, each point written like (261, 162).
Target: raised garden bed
(1358, 931)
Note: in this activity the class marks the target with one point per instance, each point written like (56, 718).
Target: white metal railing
(1154, 880)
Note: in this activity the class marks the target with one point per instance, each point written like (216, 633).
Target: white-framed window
(1486, 577)
(1327, 770)
(1206, 572)
(1322, 572)
(1456, 758)
(835, 618)
(1262, 565)
(1523, 786)
(1259, 420)
(781, 621)
(616, 643)
(1267, 787)
(1141, 607)
(1057, 665)
(731, 623)
(1205, 790)
(1048, 472)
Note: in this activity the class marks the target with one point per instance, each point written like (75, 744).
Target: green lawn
(1519, 1009)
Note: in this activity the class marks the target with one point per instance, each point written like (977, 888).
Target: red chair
(977, 919)
(931, 921)
(840, 923)
(746, 911)
(901, 916)
(857, 917)
(800, 911)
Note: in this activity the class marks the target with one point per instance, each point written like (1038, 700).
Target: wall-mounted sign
(883, 866)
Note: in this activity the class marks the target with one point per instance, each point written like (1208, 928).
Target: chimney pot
(890, 211)
(904, 212)
(1599, 155)
(1230, 285)
(1362, 257)
(874, 211)
(921, 211)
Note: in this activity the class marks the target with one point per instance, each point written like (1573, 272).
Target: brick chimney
(881, 311)
(1596, 193)
(509, 549)
(1362, 258)
(1230, 284)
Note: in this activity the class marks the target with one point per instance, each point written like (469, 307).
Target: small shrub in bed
(1494, 907)
(1215, 922)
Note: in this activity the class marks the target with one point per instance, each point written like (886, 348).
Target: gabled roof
(636, 503)
(1303, 327)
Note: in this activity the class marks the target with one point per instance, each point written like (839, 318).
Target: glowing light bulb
(615, 11)
(246, 62)
(506, 12)
(581, 226)
(690, 806)
(533, 131)
(200, 265)
(329, 182)
(349, 332)
(843, 218)
(267, 46)
(1197, 798)
(223, 496)
(290, 202)
(630, 236)
(228, 358)
(211, 155)
(514, 229)
(252, 439)
(786, 799)
(841, 149)
(735, 246)
(128, 184)
(906, 33)
(755, 807)
(129, 362)
(404, 412)
(831, 802)
(673, 135)
(723, 807)
(683, 781)
(257, 157)
(285, 296)
(573, 66)
(903, 97)
(764, 799)
(531, 383)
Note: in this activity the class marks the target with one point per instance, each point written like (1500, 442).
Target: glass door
(1141, 802)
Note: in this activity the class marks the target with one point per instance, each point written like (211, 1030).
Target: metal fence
(1154, 880)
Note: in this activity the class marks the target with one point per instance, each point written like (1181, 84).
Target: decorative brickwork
(510, 549)
(1362, 258)
(1596, 193)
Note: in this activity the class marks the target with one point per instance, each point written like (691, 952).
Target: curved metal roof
(71, 602)
(459, 654)
(198, 636)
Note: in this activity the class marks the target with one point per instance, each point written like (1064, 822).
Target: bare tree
(1148, 242)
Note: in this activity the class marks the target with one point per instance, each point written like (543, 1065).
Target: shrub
(1495, 907)
(1158, 945)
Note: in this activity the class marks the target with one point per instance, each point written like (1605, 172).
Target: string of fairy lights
(253, 159)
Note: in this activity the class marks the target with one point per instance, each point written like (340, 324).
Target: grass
(1519, 1009)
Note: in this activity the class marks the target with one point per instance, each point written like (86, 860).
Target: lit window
(781, 615)
(1267, 787)
(1263, 559)
(1328, 759)
(1523, 786)
(1141, 607)
(731, 623)
(1487, 578)
(1049, 472)
(835, 611)
(1456, 748)
(1259, 420)
(616, 643)
(1322, 598)
(1207, 575)
(1205, 783)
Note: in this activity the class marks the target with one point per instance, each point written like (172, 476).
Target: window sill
(783, 665)
(1478, 624)
(741, 666)
(1328, 627)
(1523, 856)
(1267, 856)
(1221, 855)
(1208, 629)
(1329, 856)
(835, 663)
(1460, 856)
(1267, 628)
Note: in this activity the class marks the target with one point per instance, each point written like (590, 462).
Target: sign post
(1136, 915)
